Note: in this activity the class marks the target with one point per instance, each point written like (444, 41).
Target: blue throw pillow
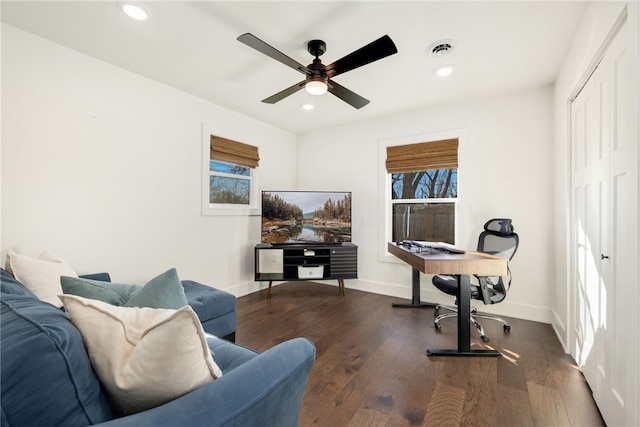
(47, 378)
(163, 291)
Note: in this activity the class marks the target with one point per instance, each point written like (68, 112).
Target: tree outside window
(430, 184)
(229, 183)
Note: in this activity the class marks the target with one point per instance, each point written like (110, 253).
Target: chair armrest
(266, 391)
(484, 290)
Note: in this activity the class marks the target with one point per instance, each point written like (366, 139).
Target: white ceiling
(501, 47)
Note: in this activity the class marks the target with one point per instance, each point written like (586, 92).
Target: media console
(306, 262)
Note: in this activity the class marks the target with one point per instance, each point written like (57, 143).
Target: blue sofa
(47, 378)
(216, 309)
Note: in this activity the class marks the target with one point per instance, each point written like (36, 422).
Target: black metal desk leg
(464, 313)
(415, 293)
(464, 327)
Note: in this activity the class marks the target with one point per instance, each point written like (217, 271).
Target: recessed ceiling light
(307, 106)
(443, 71)
(133, 11)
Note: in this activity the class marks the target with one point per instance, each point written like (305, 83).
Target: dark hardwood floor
(371, 368)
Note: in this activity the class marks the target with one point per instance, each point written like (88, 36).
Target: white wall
(505, 171)
(103, 167)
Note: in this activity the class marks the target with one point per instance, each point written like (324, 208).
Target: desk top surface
(447, 263)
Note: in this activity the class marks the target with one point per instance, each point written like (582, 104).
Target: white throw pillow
(40, 275)
(143, 356)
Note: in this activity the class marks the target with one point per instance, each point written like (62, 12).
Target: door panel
(604, 233)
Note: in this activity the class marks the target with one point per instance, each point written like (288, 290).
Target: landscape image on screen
(306, 217)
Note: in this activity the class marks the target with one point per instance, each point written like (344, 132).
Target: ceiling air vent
(441, 48)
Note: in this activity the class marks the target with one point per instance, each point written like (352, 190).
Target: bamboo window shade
(422, 156)
(230, 151)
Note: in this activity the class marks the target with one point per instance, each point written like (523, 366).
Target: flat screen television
(309, 217)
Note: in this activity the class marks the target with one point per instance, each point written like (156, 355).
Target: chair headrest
(499, 226)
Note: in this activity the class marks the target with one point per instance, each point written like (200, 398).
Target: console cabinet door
(344, 262)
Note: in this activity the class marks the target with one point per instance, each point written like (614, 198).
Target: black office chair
(498, 238)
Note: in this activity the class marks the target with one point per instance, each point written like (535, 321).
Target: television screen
(308, 217)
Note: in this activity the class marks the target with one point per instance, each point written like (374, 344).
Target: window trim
(209, 209)
(384, 184)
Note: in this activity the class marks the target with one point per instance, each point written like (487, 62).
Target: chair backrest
(499, 238)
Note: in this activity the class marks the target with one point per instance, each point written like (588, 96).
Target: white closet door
(620, 386)
(590, 182)
(604, 221)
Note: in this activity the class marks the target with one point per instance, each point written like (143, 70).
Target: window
(229, 183)
(422, 190)
(229, 186)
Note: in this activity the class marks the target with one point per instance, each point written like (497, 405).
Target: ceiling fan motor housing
(316, 47)
(318, 78)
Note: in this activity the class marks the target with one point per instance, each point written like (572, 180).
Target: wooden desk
(461, 266)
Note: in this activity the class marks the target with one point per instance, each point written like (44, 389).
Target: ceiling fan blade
(347, 96)
(283, 94)
(254, 42)
(374, 51)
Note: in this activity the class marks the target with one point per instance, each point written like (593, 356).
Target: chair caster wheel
(485, 338)
(437, 326)
(507, 328)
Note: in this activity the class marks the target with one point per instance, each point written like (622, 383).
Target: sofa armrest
(265, 391)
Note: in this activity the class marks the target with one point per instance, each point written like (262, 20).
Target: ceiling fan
(319, 77)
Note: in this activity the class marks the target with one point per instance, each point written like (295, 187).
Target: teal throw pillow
(163, 291)
(109, 292)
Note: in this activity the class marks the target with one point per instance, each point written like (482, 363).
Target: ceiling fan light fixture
(316, 87)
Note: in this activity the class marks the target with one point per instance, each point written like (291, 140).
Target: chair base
(474, 314)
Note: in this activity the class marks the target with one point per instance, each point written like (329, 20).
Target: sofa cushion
(222, 326)
(11, 286)
(40, 275)
(163, 291)
(228, 356)
(47, 378)
(208, 302)
(144, 356)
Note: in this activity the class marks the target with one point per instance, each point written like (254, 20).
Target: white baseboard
(506, 308)
(249, 288)
(561, 331)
